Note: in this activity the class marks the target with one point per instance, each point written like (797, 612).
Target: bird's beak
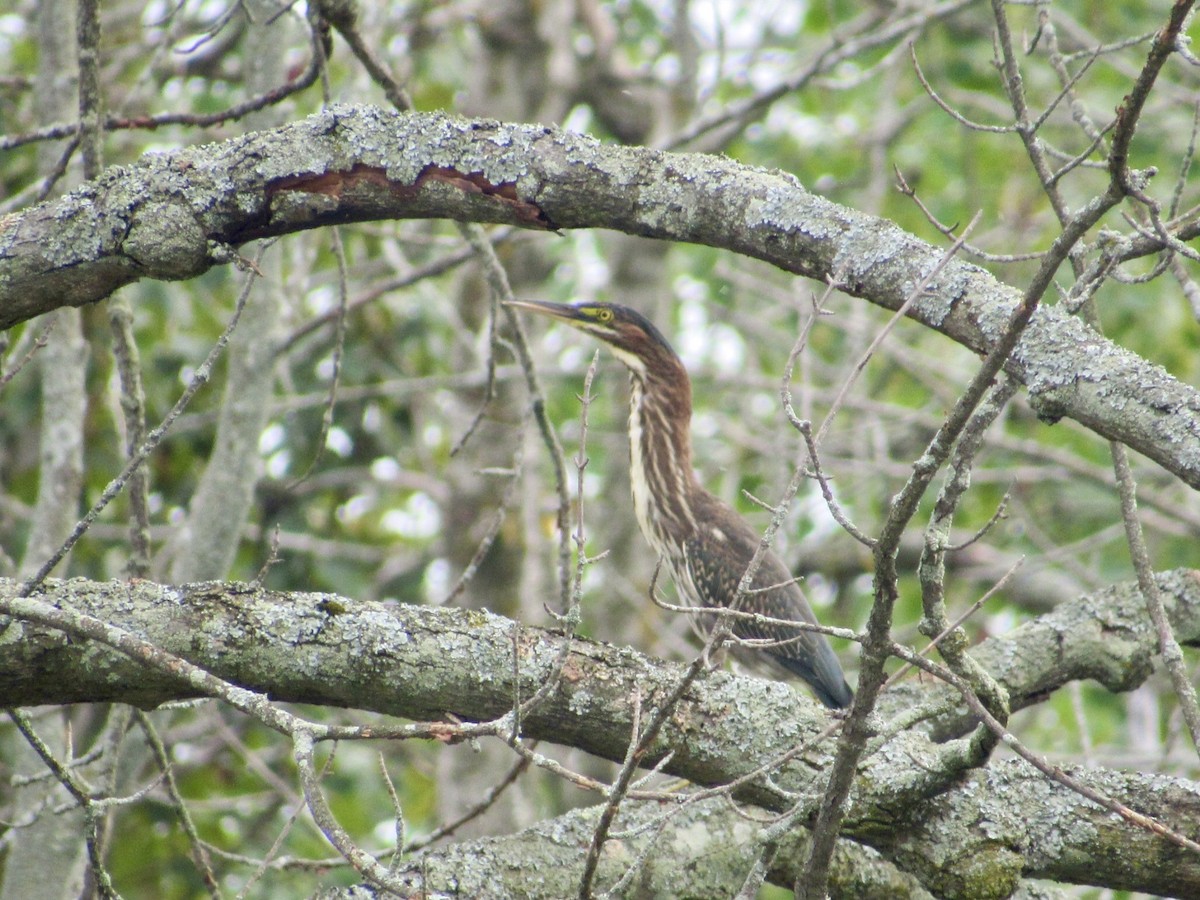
(560, 311)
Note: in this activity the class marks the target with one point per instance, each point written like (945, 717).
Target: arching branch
(174, 216)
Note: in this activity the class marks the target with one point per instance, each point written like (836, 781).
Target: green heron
(706, 545)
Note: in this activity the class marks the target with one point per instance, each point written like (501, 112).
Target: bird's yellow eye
(604, 316)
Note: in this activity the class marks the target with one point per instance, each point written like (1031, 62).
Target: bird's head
(633, 337)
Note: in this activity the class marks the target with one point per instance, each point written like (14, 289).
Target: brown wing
(715, 558)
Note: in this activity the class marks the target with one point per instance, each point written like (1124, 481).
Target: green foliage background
(385, 511)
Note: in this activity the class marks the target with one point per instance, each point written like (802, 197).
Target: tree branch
(705, 846)
(429, 663)
(173, 216)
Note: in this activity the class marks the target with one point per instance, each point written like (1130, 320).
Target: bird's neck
(660, 454)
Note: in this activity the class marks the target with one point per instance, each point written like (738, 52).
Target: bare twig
(344, 17)
(365, 864)
(339, 345)
(199, 852)
(906, 190)
(489, 537)
(398, 813)
(915, 294)
(489, 798)
(1172, 654)
(946, 107)
(133, 405)
(931, 569)
(1130, 111)
(197, 120)
(38, 343)
(153, 439)
(80, 792)
(804, 426)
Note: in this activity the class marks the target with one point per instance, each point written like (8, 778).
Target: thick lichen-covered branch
(441, 664)
(174, 216)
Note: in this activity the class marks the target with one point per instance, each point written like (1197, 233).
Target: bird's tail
(820, 668)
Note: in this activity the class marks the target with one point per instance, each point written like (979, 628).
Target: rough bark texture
(973, 835)
(699, 850)
(175, 215)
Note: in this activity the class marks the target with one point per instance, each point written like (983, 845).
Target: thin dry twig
(1168, 645)
(199, 851)
(153, 439)
(339, 347)
(906, 190)
(963, 617)
(365, 864)
(582, 560)
(804, 426)
(1165, 42)
(81, 793)
(133, 406)
(70, 130)
(497, 278)
(398, 282)
(946, 107)
(916, 294)
(397, 811)
(1000, 513)
(931, 568)
(489, 537)
(38, 343)
(344, 17)
(486, 802)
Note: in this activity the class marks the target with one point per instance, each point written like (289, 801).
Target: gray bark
(175, 215)
(696, 850)
(423, 663)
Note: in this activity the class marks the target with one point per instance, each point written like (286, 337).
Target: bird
(705, 545)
